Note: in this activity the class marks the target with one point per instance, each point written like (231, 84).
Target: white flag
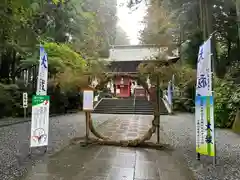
(173, 82)
(170, 92)
(204, 70)
(42, 73)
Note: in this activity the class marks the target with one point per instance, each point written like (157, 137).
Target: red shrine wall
(123, 86)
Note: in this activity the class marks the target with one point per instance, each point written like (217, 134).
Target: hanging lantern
(122, 82)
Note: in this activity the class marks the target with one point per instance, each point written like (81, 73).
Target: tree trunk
(201, 15)
(203, 18)
(238, 17)
(206, 18)
(208, 8)
(13, 66)
(236, 125)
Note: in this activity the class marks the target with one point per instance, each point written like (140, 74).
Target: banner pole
(87, 114)
(198, 156)
(25, 113)
(213, 70)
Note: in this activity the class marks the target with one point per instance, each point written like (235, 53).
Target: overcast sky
(131, 21)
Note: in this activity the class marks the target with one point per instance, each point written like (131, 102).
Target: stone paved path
(126, 127)
(112, 163)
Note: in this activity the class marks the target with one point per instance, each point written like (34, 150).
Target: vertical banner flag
(42, 73)
(170, 93)
(173, 82)
(40, 121)
(40, 105)
(204, 70)
(204, 115)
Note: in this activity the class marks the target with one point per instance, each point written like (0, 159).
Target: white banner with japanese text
(40, 121)
(204, 70)
(204, 106)
(40, 105)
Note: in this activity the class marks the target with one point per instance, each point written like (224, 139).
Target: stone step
(124, 112)
(126, 106)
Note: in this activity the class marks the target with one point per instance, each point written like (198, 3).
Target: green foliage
(9, 99)
(61, 57)
(159, 26)
(185, 82)
(74, 33)
(190, 22)
(227, 96)
(189, 50)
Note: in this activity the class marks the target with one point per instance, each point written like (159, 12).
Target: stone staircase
(127, 106)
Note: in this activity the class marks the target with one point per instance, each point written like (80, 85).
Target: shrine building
(124, 61)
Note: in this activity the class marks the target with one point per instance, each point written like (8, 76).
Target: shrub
(184, 97)
(227, 98)
(10, 100)
(5, 101)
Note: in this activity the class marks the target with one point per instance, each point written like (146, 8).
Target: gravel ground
(179, 131)
(14, 142)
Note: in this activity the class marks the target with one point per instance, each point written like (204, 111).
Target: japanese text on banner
(204, 125)
(204, 71)
(40, 121)
(42, 73)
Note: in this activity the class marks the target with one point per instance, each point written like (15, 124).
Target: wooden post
(87, 116)
(158, 110)
(87, 107)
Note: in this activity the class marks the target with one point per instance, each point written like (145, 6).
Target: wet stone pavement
(112, 163)
(123, 127)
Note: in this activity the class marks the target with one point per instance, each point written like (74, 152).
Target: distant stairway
(126, 106)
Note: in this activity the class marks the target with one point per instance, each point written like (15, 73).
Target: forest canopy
(75, 34)
(186, 24)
